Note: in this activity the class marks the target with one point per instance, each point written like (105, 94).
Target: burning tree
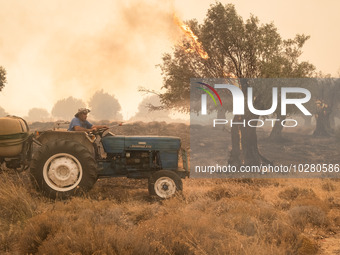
(237, 49)
(2, 77)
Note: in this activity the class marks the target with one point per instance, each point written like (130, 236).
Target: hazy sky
(57, 48)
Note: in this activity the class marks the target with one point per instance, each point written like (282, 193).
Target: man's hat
(82, 110)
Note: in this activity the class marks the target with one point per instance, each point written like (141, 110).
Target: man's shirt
(77, 122)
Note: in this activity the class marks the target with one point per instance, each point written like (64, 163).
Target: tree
(276, 133)
(66, 108)
(236, 49)
(326, 100)
(37, 114)
(3, 80)
(288, 66)
(3, 113)
(148, 110)
(105, 106)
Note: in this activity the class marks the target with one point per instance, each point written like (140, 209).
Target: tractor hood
(118, 144)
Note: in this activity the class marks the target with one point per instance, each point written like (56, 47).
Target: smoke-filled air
(56, 49)
(53, 50)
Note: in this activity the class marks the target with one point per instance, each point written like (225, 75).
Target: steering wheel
(99, 131)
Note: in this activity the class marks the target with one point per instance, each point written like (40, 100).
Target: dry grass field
(211, 216)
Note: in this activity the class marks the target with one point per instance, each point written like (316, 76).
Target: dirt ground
(330, 245)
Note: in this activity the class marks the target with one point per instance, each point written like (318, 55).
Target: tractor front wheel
(164, 184)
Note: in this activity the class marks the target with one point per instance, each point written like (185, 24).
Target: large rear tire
(63, 168)
(164, 184)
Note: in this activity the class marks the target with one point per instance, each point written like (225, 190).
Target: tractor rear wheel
(63, 168)
(164, 184)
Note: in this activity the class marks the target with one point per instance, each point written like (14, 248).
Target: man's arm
(79, 128)
(100, 126)
(94, 127)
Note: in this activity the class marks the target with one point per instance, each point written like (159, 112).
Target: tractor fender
(76, 136)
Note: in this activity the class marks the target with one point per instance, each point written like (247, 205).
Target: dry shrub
(238, 223)
(139, 213)
(288, 238)
(120, 190)
(295, 192)
(234, 189)
(301, 216)
(245, 225)
(193, 195)
(85, 227)
(204, 205)
(182, 233)
(16, 204)
(284, 205)
(219, 192)
(328, 186)
(306, 246)
(219, 208)
(36, 232)
(266, 213)
(240, 205)
(255, 182)
(337, 221)
(283, 233)
(334, 217)
(316, 202)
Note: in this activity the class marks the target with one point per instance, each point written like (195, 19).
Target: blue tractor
(69, 163)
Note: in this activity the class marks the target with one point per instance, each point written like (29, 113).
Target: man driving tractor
(79, 122)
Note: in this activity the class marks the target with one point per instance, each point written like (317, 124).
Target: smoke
(3, 113)
(56, 49)
(113, 58)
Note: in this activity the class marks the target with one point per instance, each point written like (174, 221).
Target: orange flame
(195, 45)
